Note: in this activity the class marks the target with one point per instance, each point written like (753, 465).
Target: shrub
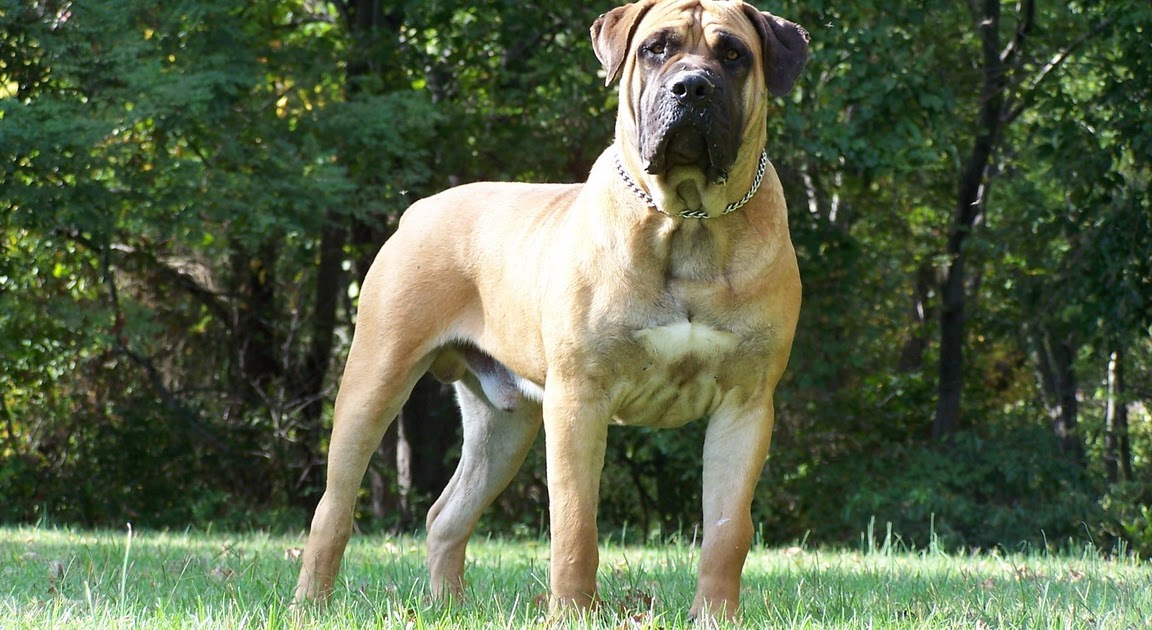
(979, 488)
(1128, 506)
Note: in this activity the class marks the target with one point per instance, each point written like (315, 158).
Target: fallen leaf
(638, 621)
(55, 571)
(636, 600)
(222, 574)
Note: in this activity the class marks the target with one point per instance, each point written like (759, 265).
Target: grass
(63, 578)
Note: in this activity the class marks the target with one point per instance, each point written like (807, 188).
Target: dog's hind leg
(496, 441)
(413, 297)
(375, 385)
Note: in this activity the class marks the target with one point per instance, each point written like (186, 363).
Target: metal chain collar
(761, 168)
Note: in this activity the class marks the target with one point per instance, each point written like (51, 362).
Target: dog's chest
(679, 377)
(675, 341)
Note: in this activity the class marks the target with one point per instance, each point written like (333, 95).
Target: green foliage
(998, 486)
(190, 193)
(1129, 509)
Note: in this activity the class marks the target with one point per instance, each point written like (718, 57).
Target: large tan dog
(662, 291)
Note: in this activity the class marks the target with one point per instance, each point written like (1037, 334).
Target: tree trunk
(1117, 448)
(311, 374)
(431, 429)
(403, 473)
(257, 372)
(411, 467)
(1056, 361)
(259, 362)
(970, 199)
(916, 342)
(384, 496)
(1067, 420)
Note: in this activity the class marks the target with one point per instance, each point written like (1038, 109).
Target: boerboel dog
(662, 291)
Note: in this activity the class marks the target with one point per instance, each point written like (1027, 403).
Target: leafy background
(191, 192)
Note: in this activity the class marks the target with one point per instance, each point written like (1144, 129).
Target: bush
(130, 459)
(978, 488)
(1128, 506)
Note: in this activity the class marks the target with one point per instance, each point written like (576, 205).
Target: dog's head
(695, 75)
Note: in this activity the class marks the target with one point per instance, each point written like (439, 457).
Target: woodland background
(191, 192)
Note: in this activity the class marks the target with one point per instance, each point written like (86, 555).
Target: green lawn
(59, 578)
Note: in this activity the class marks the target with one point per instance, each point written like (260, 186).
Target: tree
(190, 195)
(1010, 78)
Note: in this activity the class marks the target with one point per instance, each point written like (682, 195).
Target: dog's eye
(656, 48)
(732, 54)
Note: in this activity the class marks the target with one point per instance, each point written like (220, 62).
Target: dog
(662, 291)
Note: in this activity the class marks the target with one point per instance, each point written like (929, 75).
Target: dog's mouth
(689, 139)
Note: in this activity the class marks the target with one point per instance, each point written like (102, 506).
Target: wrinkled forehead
(698, 18)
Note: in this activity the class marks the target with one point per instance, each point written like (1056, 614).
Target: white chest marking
(679, 339)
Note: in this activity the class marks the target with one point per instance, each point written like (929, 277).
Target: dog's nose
(691, 88)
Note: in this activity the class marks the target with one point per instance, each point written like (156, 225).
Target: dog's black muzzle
(689, 122)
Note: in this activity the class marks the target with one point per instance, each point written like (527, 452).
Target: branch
(118, 326)
(1057, 60)
(1025, 20)
(121, 344)
(200, 154)
(181, 280)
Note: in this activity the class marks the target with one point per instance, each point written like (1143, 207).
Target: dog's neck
(681, 249)
(696, 212)
(697, 250)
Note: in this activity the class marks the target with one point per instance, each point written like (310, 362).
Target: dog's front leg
(735, 448)
(575, 434)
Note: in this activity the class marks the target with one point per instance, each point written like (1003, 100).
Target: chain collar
(694, 214)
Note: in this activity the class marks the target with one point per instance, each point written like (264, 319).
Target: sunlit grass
(60, 578)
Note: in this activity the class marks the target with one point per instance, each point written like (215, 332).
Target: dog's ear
(785, 49)
(612, 35)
